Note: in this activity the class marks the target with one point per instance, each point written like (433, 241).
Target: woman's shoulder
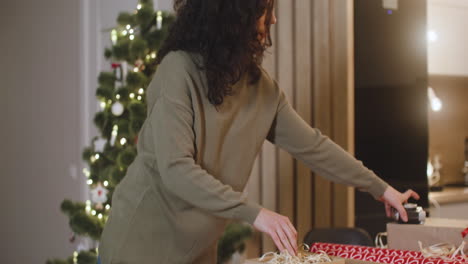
(268, 82)
(180, 60)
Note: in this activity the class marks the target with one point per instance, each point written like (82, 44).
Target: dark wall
(391, 129)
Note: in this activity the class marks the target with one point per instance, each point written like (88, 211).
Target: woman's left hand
(393, 198)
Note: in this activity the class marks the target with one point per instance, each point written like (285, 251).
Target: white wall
(41, 127)
(449, 19)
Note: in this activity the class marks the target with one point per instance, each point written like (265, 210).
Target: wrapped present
(433, 231)
(379, 255)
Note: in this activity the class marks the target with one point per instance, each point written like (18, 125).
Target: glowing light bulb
(135, 69)
(99, 216)
(132, 37)
(107, 207)
(96, 156)
(141, 91)
(124, 32)
(131, 31)
(103, 105)
(106, 183)
(139, 97)
(89, 182)
(123, 141)
(128, 26)
(93, 212)
(436, 104)
(114, 36)
(132, 95)
(432, 36)
(139, 6)
(117, 96)
(86, 172)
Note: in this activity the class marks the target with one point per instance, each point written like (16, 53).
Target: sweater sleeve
(171, 119)
(290, 132)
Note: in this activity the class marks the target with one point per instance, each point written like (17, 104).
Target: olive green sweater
(194, 161)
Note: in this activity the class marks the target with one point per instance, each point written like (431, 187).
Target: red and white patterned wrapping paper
(380, 255)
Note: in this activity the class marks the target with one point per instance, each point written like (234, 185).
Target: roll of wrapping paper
(381, 255)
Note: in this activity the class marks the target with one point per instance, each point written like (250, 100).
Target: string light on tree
(135, 69)
(89, 182)
(132, 37)
(102, 105)
(86, 172)
(141, 91)
(99, 216)
(139, 97)
(95, 157)
(132, 95)
(106, 183)
(107, 206)
(128, 26)
(93, 212)
(114, 36)
(88, 206)
(139, 6)
(124, 33)
(123, 141)
(117, 96)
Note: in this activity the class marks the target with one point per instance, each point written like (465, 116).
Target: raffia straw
(303, 257)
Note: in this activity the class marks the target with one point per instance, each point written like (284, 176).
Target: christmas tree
(121, 92)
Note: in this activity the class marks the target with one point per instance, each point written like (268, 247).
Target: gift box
(433, 231)
(360, 255)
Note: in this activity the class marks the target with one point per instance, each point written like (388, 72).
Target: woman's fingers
(410, 193)
(285, 241)
(388, 209)
(402, 211)
(279, 228)
(290, 233)
(393, 198)
(277, 240)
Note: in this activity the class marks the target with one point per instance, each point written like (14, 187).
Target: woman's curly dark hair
(224, 33)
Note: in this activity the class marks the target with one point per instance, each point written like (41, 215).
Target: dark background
(391, 122)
